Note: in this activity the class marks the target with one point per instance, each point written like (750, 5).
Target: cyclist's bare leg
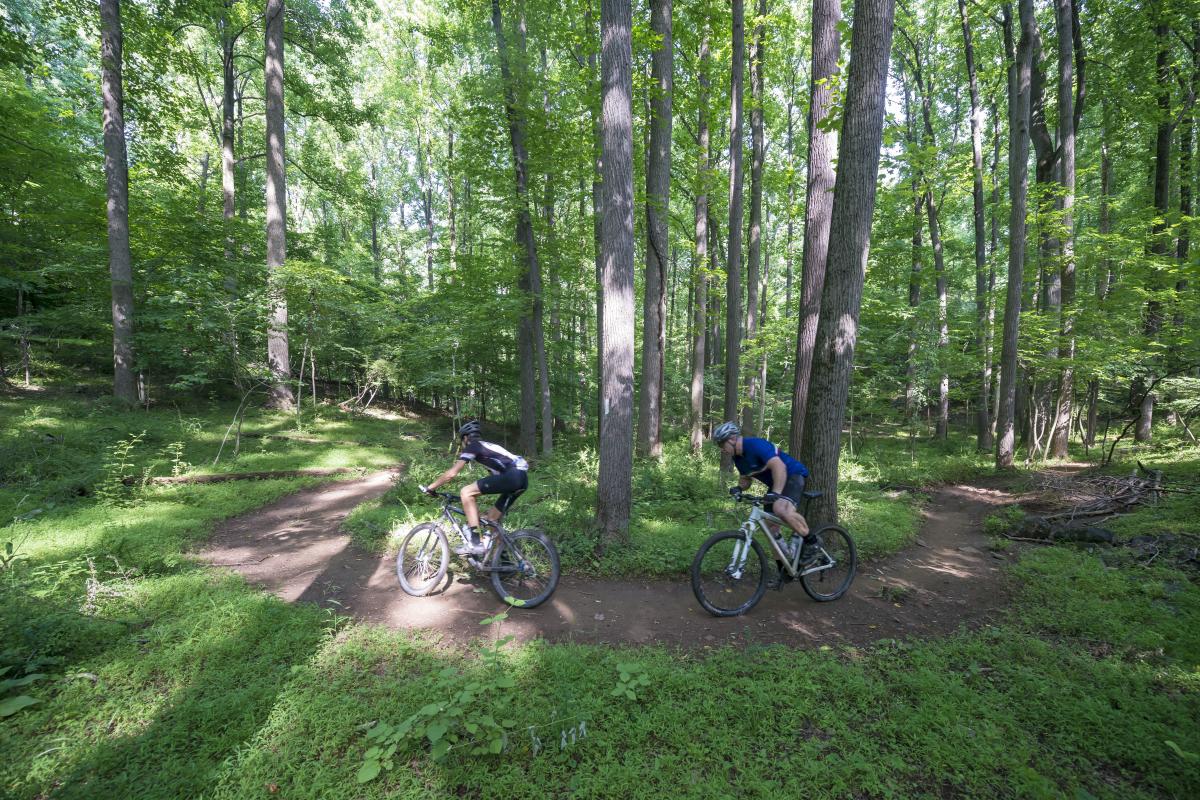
(493, 514)
(785, 509)
(470, 508)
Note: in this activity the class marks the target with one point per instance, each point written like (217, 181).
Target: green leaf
(496, 745)
(430, 709)
(368, 771)
(440, 749)
(436, 730)
(1184, 754)
(12, 705)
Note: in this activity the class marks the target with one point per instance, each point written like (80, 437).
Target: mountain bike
(522, 564)
(729, 573)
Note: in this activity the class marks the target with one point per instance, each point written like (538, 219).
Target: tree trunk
(733, 266)
(983, 423)
(426, 203)
(1019, 75)
(788, 255)
(530, 337)
(939, 266)
(754, 254)
(658, 204)
(116, 171)
(850, 240)
(281, 397)
(1067, 25)
(914, 274)
(228, 183)
(614, 495)
(1159, 246)
(818, 204)
(700, 273)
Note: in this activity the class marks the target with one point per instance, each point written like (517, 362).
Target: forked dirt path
(296, 549)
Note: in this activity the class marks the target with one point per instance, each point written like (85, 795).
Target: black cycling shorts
(509, 484)
(794, 488)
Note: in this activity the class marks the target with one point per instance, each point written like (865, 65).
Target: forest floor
(297, 549)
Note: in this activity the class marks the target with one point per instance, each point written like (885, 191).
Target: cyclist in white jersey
(509, 478)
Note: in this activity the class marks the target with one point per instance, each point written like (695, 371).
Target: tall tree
(614, 495)
(983, 425)
(822, 141)
(700, 271)
(733, 265)
(531, 336)
(754, 251)
(1159, 245)
(658, 204)
(116, 170)
(1019, 77)
(850, 237)
(1070, 64)
(277, 331)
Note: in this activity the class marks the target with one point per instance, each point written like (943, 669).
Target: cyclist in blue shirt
(508, 478)
(783, 476)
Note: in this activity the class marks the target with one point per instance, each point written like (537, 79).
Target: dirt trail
(296, 549)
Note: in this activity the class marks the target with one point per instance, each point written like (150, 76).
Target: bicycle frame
(501, 535)
(761, 520)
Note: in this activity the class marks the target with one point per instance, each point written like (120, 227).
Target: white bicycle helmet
(724, 432)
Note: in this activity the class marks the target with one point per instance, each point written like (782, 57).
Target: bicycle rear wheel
(525, 568)
(727, 577)
(423, 558)
(838, 559)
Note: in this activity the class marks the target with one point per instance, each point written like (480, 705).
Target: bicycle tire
(423, 559)
(830, 584)
(537, 576)
(711, 580)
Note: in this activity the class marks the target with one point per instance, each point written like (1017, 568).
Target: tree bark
(754, 254)
(818, 207)
(1159, 245)
(116, 171)
(733, 265)
(658, 206)
(1067, 25)
(700, 272)
(850, 241)
(531, 340)
(614, 495)
(281, 396)
(1019, 73)
(983, 422)
(914, 274)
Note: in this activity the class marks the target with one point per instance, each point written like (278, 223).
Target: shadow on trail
(947, 580)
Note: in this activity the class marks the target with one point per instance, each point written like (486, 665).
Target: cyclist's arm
(448, 475)
(744, 482)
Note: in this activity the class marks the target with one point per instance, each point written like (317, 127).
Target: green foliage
(466, 719)
(633, 679)
(189, 679)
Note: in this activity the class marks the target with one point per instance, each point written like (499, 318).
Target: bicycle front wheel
(838, 560)
(525, 568)
(729, 578)
(423, 558)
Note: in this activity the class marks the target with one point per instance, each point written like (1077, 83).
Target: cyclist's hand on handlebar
(769, 499)
(735, 492)
(428, 490)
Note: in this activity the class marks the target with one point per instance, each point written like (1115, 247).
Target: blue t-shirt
(755, 455)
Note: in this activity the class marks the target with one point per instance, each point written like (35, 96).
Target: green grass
(186, 683)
